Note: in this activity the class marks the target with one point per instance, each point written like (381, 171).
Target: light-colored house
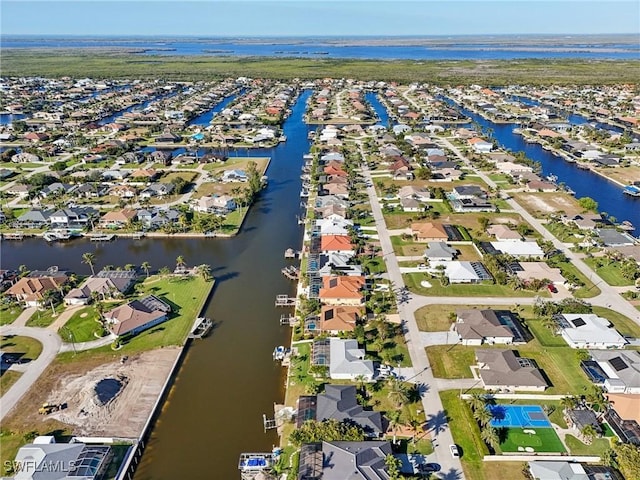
(587, 330)
(502, 233)
(439, 252)
(137, 315)
(215, 204)
(540, 271)
(480, 145)
(519, 249)
(502, 370)
(547, 470)
(118, 218)
(106, 284)
(347, 361)
(475, 327)
(621, 368)
(32, 291)
(417, 193)
(462, 272)
(234, 175)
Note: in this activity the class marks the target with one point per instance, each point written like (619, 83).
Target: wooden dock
(288, 320)
(292, 273)
(291, 253)
(285, 301)
(201, 327)
(13, 236)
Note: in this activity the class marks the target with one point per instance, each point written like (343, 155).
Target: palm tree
(146, 266)
(397, 392)
(205, 271)
(483, 416)
(568, 402)
(89, 258)
(180, 261)
(490, 436)
(476, 402)
(588, 432)
(394, 422)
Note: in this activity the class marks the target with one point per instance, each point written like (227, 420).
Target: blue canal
(205, 118)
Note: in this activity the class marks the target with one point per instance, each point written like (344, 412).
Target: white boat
(279, 353)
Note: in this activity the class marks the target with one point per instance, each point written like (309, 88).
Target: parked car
(552, 288)
(422, 266)
(455, 453)
(431, 467)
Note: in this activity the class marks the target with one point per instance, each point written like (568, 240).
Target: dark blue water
(381, 111)
(7, 118)
(138, 107)
(474, 49)
(205, 118)
(584, 182)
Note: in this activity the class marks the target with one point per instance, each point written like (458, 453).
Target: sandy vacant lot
(548, 202)
(124, 415)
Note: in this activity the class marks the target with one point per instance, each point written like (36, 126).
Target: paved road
(51, 344)
(436, 421)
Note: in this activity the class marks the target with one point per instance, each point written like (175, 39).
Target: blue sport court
(522, 416)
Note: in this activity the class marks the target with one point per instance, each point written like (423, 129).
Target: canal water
(228, 380)
(584, 182)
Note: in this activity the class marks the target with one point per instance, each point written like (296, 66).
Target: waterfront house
(619, 370)
(32, 290)
(344, 460)
(336, 243)
(339, 402)
(168, 137)
(587, 330)
(156, 218)
(137, 315)
(234, 175)
(342, 290)
(429, 232)
(35, 218)
(106, 283)
(610, 237)
(347, 361)
(222, 204)
(336, 190)
(339, 318)
(475, 327)
(339, 263)
(334, 226)
(76, 217)
(502, 370)
(480, 145)
(118, 218)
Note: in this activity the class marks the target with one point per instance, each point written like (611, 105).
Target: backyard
(413, 282)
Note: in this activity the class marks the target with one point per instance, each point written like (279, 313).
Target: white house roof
(347, 359)
(589, 328)
(519, 249)
(557, 471)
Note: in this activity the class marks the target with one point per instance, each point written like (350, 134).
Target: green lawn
(412, 280)
(597, 447)
(30, 348)
(7, 379)
(186, 295)
(466, 434)
(435, 318)
(451, 361)
(8, 313)
(610, 273)
(544, 440)
(82, 325)
(589, 290)
(564, 233)
(623, 324)
(544, 335)
(407, 247)
(44, 318)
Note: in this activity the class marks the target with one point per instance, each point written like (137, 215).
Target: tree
(483, 416)
(483, 222)
(490, 436)
(397, 392)
(588, 432)
(205, 271)
(330, 430)
(393, 417)
(180, 261)
(476, 402)
(393, 465)
(146, 266)
(588, 204)
(89, 258)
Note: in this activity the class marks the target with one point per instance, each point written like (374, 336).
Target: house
(157, 190)
(339, 402)
(168, 137)
(35, 218)
(610, 237)
(25, 157)
(107, 284)
(409, 204)
(234, 175)
(46, 460)
(547, 470)
(342, 290)
(347, 361)
(344, 461)
(587, 330)
(623, 416)
(77, 217)
(123, 191)
(519, 249)
(118, 218)
(579, 418)
(19, 190)
(336, 190)
(137, 315)
(461, 272)
(57, 188)
(339, 318)
(502, 370)
(334, 225)
(429, 232)
(440, 252)
(32, 290)
(503, 233)
(336, 243)
(338, 263)
(480, 145)
(475, 327)
(417, 193)
(215, 204)
(158, 217)
(620, 369)
(468, 192)
(585, 221)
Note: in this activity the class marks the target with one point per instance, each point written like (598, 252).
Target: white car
(422, 266)
(454, 451)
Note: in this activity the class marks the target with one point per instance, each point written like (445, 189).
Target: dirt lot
(548, 202)
(142, 377)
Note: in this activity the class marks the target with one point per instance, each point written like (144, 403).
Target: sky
(311, 17)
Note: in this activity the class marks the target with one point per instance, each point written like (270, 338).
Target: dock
(137, 235)
(100, 237)
(292, 273)
(13, 236)
(252, 464)
(288, 320)
(285, 301)
(291, 253)
(201, 327)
